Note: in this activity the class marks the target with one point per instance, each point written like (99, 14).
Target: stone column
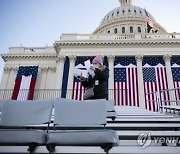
(42, 76)
(4, 81)
(59, 71)
(47, 69)
(5, 78)
(139, 59)
(12, 76)
(167, 60)
(72, 60)
(111, 77)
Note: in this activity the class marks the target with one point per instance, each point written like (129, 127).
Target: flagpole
(146, 21)
(149, 22)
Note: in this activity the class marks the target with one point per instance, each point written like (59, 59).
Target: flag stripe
(78, 91)
(24, 88)
(120, 93)
(137, 88)
(153, 97)
(158, 84)
(177, 92)
(124, 93)
(127, 93)
(31, 89)
(163, 83)
(16, 88)
(146, 95)
(129, 87)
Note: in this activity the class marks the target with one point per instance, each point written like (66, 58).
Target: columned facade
(52, 67)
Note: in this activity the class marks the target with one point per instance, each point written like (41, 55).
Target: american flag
(150, 23)
(25, 83)
(176, 80)
(155, 79)
(175, 62)
(78, 89)
(125, 82)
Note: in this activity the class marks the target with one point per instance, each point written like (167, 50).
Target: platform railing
(40, 94)
(162, 98)
(153, 98)
(170, 97)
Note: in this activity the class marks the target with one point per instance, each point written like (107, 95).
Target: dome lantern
(125, 2)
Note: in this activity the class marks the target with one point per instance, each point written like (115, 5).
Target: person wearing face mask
(97, 79)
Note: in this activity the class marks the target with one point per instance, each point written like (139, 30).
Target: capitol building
(142, 62)
(142, 114)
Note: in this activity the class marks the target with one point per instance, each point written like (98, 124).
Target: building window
(123, 11)
(115, 31)
(139, 29)
(112, 14)
(131, 29)
(117, 12)
(129, 11)
(123, 29)
(109, 31)
(134, 11)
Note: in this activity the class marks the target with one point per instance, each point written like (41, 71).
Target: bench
(76, 114)
(19, 120)
(111, 112)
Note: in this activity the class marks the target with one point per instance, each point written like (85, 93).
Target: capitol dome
(127, 19)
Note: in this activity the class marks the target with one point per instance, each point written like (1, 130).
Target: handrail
(165, 97)
(170, 89)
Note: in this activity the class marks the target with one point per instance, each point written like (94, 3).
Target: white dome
(125, 17)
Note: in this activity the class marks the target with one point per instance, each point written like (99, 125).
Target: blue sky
(36, 23)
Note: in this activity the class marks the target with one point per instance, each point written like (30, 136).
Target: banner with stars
(25, 83)
(155, 80)
(175, 67)
(126, 82)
